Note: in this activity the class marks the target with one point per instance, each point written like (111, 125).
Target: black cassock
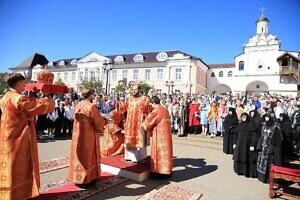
(287, 135)
(269, 150)
(244, 162)
(256, 122)
(230, 123)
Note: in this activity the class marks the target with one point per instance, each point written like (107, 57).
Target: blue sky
(213, 30)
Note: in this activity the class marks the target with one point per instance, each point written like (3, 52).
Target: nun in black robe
(286, 130)
(244, 144)
(269, 148)
(230, 123)
(256, 122)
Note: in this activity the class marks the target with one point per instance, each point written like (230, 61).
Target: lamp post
(107, 67)
(170, 84)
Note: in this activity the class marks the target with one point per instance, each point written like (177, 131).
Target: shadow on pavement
(184, 169)
(190, 168)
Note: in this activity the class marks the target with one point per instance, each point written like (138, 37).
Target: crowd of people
(259, 130)
(208, 115)
(58, 123)
(265, 135)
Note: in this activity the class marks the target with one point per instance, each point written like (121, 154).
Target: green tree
(96, 85)
(121, 87)
(3, 83)
(125, 86)
(145, 88)
(59, 82)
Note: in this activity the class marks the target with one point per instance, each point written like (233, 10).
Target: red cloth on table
(284, 170)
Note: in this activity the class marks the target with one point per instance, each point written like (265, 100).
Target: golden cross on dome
(262, 10)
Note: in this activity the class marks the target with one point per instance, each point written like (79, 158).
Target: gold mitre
(45, 77)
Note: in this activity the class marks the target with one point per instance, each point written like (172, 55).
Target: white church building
(262, 67)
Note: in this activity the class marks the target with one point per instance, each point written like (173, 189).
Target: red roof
(226, 65)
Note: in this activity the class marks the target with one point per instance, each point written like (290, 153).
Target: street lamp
(170, 84)
(107, 67)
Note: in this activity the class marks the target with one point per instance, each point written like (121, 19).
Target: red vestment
(85, 148)
(113, 139)
(137, 109)
(19, 168)
(193, 119)
(159, 125)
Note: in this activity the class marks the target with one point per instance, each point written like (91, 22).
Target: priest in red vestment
(137, 108)
(113, 138)
(85, 149)
(159, 125)
(19, 168)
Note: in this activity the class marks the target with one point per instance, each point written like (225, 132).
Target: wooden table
(288, 174)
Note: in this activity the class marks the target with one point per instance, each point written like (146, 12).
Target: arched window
(138, 58)
(50, 64)
(119, 59)
(221, 74)
(241, 65)
(212, 74)
(162, 56)
(229, 74)
(61, 63)
(74, 62)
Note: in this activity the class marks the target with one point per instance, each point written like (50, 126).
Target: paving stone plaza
(199, 166)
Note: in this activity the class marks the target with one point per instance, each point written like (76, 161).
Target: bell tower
(262, 23)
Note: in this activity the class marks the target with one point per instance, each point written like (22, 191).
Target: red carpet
(63, 189)
(119, 162)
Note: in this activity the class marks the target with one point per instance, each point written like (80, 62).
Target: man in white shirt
(51, 123)
(69, 117)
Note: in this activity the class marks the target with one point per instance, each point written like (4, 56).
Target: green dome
(263, 18)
